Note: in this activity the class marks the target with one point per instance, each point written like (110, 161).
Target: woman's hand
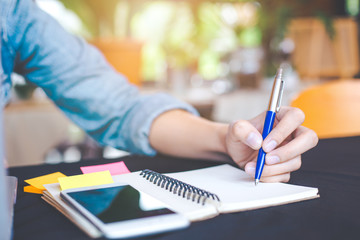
(284, 144)
(178, 133)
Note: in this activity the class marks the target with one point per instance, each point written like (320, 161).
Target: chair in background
(332, 109)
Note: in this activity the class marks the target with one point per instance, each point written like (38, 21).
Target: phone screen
(119, 203)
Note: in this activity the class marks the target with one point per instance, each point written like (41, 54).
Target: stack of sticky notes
(92, 176)
(116, 168)
(86, 180)
(36, 185)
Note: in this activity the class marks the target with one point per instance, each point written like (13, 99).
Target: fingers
(304, 140)
(243, 131)
(289, 119)
(277, 172)
(284, 146)
(277, 178)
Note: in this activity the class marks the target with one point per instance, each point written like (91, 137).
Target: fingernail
(270, 146)
(272, 160)
(253, 140)
(250, 169)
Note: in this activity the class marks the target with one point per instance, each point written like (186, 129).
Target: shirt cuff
(155, 105)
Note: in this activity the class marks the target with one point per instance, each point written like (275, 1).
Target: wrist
(221, 132)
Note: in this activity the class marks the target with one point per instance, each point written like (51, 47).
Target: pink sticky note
(116, 168)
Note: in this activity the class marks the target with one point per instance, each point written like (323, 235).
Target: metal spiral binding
(178, 187)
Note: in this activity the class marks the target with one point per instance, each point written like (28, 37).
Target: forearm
(81, 83)
(179, 133)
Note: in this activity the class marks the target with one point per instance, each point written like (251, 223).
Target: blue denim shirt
(76, 77)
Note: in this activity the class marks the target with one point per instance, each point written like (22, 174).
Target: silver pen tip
(256, 182)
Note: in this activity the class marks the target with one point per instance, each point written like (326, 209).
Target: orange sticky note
(31, 189)
(85, 180)
(115, 168)
(39, 182)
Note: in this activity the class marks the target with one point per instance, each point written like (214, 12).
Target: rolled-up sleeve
(81, 83)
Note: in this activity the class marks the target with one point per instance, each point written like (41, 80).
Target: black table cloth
(333, 167)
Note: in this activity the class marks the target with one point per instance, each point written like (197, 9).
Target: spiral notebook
(205, 193)
(197, 194)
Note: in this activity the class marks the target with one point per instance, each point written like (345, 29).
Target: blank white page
(237, 190)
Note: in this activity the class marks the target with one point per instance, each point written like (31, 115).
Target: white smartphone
(121, 211)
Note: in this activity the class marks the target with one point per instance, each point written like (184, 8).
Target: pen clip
(278, 103)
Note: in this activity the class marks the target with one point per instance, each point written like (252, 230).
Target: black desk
(333, 166)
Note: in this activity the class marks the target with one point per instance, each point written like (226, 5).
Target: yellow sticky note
(31, 189)
(85, 180)
(39, 182)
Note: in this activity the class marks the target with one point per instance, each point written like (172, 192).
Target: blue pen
(274, 107)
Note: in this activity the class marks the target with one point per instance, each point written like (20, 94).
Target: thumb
(243, 131)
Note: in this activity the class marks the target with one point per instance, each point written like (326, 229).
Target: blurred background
(220, 56)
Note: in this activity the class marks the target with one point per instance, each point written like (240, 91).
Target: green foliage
(328, 23)
(352, 7)
(192, 33)
(96, 15)
(185, 35)
(274, 18)
(250, 37)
